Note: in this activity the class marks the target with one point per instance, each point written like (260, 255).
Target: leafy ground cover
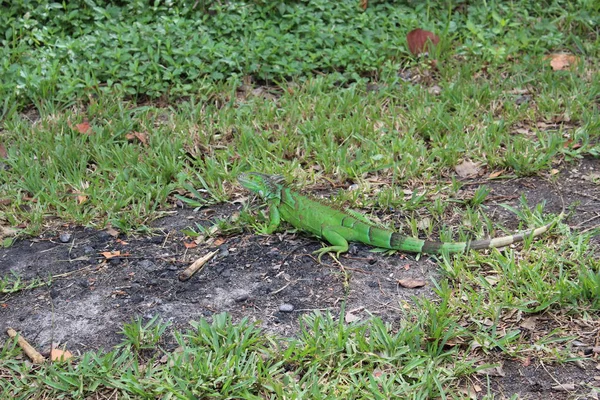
(328, 95)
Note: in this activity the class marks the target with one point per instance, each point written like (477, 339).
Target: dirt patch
(270, 279)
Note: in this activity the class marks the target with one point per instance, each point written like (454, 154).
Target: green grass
(499, 104)
(223, 360)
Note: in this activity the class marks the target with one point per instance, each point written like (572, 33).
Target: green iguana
(340, 227)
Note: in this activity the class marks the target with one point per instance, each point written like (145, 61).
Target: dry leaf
(190, 245)
(364, 4)
(111, 254)
(60, 355)
(83, 127)
(349, 318)
(411, 283)
(493, 371)
(6, 231)
(467, 169)
(112, 232)
(492, 279)
(420, 41)
(561, 62)
(142, 137)
(528, 323)
(495, 174)
(468, 392)
(218, 241)
(424, 223)
(81, 198)
(3, 152)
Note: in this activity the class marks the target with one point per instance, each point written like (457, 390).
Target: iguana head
(266, 186)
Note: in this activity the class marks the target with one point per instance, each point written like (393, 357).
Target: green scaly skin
(338, 227)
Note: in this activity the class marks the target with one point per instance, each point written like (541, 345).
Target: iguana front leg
(338, 237)
(274, 221)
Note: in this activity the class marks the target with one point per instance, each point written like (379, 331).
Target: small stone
(226, 273)
(241, 298)
(157, 239)
(435, 90)
(114, 260)
(65, 237)
(88, 250)
(103, 236)
(147, 265)
(286, 308)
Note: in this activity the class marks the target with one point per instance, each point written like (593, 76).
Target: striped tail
(406, 243)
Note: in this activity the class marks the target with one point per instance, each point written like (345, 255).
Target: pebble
(89, 250)
(241, 298)
(286, 307)
(147, 265)
(64, 237)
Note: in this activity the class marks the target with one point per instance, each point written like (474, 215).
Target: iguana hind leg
(338, 237)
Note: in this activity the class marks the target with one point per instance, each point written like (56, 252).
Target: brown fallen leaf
(190, 245)
(421, 41)
(350, 317)
(112, 232)
(60, 355)
(111, 254)
(83, 127)
(142, 137)
(3, 152)
(364, 4)
(529, 323)
(493, 371)
(467, 169)
(412, 283)
(560, 61)
(495, 174)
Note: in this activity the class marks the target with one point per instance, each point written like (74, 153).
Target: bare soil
(272, 279)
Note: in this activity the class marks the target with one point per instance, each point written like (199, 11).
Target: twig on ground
(32, 353)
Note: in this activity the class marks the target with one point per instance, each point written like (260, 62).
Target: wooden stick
(196, 265)
(32, 353)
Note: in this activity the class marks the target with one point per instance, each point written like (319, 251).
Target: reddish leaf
(189, 245)
(3, 152)
(142, 137)
(419, 41)
(60, 355)
(83, 127)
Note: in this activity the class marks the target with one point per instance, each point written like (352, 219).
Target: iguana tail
(407, 243)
